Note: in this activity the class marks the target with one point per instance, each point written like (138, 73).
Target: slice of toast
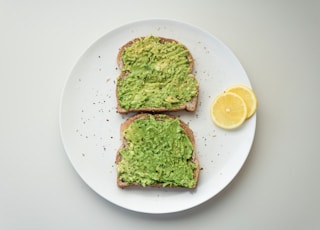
(156, 76)
(148, 155)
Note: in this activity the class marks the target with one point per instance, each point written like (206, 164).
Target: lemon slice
(247, 95)
(228, 110)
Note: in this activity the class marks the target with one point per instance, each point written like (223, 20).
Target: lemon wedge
(247, 94)
(228, 110)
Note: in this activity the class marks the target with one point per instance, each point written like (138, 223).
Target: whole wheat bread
(185, 127)
(188, 106)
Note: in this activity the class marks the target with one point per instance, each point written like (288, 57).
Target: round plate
(90, 124)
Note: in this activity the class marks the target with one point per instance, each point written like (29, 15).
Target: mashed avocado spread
(158, 151)
(158, 75)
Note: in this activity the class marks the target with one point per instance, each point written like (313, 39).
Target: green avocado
(157, 75)
(158, 151)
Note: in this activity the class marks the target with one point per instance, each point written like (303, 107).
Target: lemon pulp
(228, 110)
(247, 94)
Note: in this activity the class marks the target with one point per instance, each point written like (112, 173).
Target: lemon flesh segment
(247, 94)
(228, 110)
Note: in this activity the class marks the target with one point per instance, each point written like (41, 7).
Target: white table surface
(277, 42)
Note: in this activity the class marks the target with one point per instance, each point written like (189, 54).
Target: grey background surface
(276, 41)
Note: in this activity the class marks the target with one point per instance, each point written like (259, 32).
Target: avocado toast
(156, 76)
(157, 150)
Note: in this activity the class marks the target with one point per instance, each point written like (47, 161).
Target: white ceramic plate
(90, 125)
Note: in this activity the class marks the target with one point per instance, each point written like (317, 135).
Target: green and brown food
(157, 150)
(156, 75)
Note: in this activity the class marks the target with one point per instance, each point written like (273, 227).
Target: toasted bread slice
(162, 40)
(160, 167)
(159, 75)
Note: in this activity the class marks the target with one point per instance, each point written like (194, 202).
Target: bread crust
(190, 106)
(188, 132)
